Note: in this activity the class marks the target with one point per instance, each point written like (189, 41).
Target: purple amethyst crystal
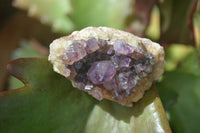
(101, 71)
(91, 45)
(118, 68)
(121, 47)
(74, 53)
(126, 80)
(121, 61)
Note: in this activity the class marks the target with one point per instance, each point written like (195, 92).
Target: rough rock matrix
(108, 63)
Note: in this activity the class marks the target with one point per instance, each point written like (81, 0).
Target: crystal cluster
(105, 68)
(114, 67)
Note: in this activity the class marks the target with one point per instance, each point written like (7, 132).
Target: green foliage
(180, 93)
(48, 103)
(26, 49)
(191, 64)
(52, 12)
(82, 13)
(110, 117)
(175, 54)
(111, 13)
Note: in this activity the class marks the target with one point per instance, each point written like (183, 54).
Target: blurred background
(27, 27)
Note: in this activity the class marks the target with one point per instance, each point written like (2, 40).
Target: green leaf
(146, 116)
(181, 91)
(191, 64)
(177, 21)
(110, 13)
(52, 12)
(48, 103)
(83, 13)
(26, 49)
(175, 54)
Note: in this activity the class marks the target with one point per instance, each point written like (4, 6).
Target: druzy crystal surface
(108, 63)
(112, 66)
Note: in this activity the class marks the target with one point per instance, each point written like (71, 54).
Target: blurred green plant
(51, 12)
(153, 30)
(175, 54)
(89, 13)
(66, 15)
(26, 49)
(177, 21)
(180, 93)
(196, 20)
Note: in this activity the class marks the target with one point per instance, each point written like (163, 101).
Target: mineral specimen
(108, 63)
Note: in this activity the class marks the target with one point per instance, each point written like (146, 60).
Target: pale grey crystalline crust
(59, 46)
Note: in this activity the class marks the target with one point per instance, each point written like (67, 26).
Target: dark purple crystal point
(101, 72)
(121, 47)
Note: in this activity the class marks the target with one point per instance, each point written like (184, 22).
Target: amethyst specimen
(112, 66)
(108, 63)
